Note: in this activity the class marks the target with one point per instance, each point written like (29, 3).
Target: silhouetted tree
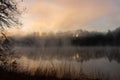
(9, 13)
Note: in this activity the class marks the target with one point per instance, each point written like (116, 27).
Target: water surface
(101, 61)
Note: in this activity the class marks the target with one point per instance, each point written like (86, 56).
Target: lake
(103, 62)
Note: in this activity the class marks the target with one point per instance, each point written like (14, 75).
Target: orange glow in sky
(63, 15)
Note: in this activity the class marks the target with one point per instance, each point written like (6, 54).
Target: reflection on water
(97, 60)
(104, 66)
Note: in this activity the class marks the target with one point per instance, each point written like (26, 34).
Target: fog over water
(98, 60)
(70, 52)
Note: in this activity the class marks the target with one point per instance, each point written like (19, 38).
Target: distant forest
(70, 38)
(111, 38)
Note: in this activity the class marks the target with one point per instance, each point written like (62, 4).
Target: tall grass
(28, 69)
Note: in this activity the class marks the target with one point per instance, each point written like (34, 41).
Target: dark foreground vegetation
(12, 75)
(9, 71)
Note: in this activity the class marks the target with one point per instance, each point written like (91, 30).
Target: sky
(65, 15)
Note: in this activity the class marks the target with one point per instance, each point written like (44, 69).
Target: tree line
(111, 38)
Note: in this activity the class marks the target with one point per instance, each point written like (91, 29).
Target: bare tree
(9, 13)
(9, 16)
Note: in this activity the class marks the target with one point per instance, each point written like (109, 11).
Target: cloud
(54, 15)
